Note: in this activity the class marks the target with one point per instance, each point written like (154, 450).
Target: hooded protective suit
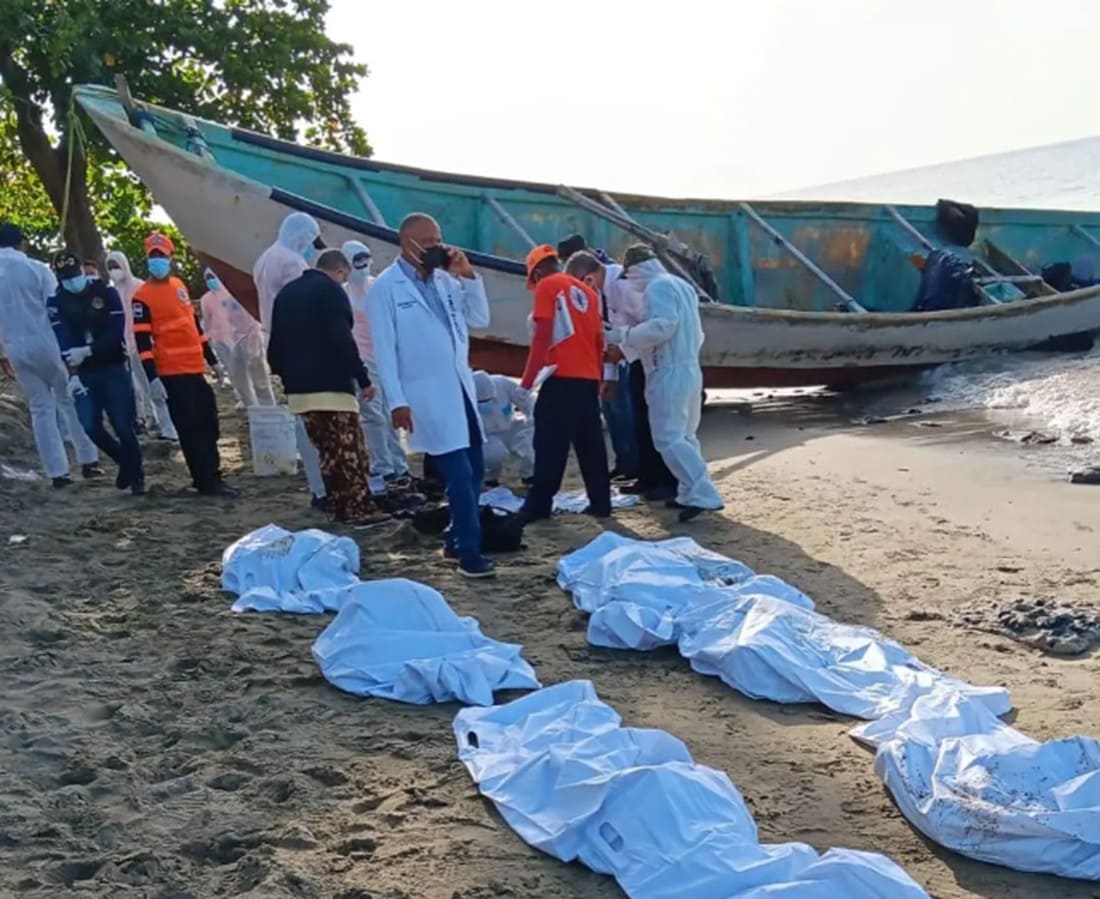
(387, 455)
(284, 261)
(277, 266)
(127, 284)
(238, 343)
(498, 400)
(667, 341)
(27, 341)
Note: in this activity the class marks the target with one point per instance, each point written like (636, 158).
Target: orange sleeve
(545, 291)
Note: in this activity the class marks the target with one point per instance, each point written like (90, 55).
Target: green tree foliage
(260, 64)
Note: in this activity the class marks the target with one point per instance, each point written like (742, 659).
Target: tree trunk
(51, 165)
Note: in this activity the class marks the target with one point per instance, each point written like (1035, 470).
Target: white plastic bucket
(274, 448)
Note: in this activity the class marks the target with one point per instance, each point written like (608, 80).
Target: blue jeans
(110, 391)
(619, 415)
(463, 471)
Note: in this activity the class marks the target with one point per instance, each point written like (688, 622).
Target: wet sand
(157, 745)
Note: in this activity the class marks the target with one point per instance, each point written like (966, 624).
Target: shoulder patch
(139, 310)
(97, 302)
(181, 293)
(579, 299)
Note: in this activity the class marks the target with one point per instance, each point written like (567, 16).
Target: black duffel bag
(958, 222)
(501, 531)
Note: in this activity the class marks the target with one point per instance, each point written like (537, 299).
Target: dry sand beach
(156, 745)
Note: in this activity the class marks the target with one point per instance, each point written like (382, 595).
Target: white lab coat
(668, 341)
(423, 363)
(27, 341)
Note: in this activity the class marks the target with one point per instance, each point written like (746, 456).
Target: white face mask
(115, 274)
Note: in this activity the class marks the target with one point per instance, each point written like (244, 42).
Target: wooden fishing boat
(805, 293)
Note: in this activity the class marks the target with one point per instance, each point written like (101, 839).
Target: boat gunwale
(868, 321)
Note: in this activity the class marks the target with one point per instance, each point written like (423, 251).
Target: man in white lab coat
(29, 353)
(422, 307)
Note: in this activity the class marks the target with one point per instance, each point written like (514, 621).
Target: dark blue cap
(11, 235)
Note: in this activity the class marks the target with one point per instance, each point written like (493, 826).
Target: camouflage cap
(637, 253)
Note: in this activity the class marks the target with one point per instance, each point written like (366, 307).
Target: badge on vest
(183, 297)
(97, 302)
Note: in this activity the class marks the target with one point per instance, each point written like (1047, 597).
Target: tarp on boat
(633, 804)
(399, 639)
(276, 570)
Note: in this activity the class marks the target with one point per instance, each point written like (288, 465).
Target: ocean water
(1056, 395)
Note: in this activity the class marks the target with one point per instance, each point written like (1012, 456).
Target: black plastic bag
(957, 221)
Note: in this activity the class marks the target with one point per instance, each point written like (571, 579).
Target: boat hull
(230, 219)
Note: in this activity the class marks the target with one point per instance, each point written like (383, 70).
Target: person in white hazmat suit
(238, 343)
(387, 456)
(149, 409)
(29, 353)
(667, 341)
(293, 252)
(498, 400)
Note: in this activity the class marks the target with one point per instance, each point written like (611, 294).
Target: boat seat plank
(505, 216)
(366, 200)
(1008, 265)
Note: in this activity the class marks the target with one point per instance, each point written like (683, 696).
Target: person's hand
(607, 390)
(614, 335)
(157, 392)
(369, 392)
(6, 368)
(77, 355)
(459, 265)
(402, 418)
(613, 354)
(76, 387)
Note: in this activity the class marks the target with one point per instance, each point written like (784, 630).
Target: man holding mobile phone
(422, 307)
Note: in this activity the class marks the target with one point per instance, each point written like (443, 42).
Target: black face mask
(434, 257)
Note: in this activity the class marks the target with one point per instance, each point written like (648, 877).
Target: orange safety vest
(163, 310)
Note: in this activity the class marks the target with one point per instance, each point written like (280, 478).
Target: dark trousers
(463, 471)
(619, 415)
(194, 412)
(652, 471)
(567, 413)
(110, 391)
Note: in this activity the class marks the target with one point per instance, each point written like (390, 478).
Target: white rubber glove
(76, 387)
(77, 355)
(223, 375)
(156, 390)
(614, 335)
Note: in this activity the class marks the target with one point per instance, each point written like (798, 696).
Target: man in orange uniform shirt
(568, 335)
(174, 354)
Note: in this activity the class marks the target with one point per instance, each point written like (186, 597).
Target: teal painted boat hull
(775, 323)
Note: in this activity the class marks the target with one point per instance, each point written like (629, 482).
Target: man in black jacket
(312, 350)
(89, 323)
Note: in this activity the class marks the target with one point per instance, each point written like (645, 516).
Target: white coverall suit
(238, 343)
(277, 266)
(498, 400)
(27, 341)
(149, 409)
(667, 341)
(387, 455)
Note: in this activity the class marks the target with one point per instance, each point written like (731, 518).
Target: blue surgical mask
(75, 285)
(310, 253)
(212, 284)
(160, 266)
(359, 275)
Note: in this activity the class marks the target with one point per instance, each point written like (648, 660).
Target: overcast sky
(719, 99)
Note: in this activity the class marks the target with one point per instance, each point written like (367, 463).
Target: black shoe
(92, 470)
(220, 488)
(687, 513)
(636, 489)
(476, 567)
(63, 481)
(122, 481)
(137, 488)
(660, 494)
(673, 504)
(449, 554)
(492, 484)
(588, 510)
(320, 503)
